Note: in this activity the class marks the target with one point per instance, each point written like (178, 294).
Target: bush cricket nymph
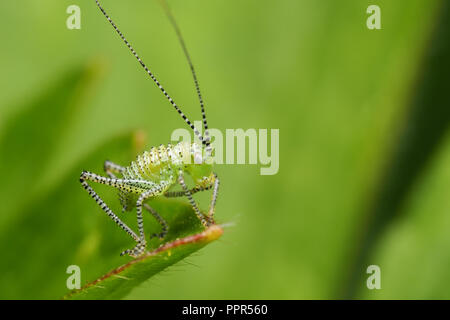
(154, 172)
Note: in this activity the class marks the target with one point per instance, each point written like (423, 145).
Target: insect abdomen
(159, 165)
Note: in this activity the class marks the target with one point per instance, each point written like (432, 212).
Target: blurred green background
(364, 149)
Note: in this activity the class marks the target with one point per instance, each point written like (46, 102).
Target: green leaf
(30, 139)
(414, 253)
(421, 135)
(119, 282)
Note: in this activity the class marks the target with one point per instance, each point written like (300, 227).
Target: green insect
(154, 172)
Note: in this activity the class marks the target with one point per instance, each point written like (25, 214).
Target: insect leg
(164, 225)
(126, 185)
(188, 194)
(212, 205)
(111, 168)
(140, 247)
(175, 194)
(102, 204)
(214, 184)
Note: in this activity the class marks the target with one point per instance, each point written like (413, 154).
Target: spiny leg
(106, 209)
(144, 196)
(175, 194)
(212, 206)
(111, 168)
(164, 225)
(214, 184)
(188, 194)
(140, 247)
(128, 185)
(121, 184)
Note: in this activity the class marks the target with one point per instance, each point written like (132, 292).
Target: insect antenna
(172, 20)
(172, 102)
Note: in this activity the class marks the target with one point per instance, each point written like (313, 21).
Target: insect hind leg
(119, 184)
(111, 168)
(83, 180)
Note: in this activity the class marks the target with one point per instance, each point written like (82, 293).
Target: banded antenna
(172, 20)
(205, 141)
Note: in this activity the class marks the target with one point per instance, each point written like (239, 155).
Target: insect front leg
(188, 194)
(214, 185)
